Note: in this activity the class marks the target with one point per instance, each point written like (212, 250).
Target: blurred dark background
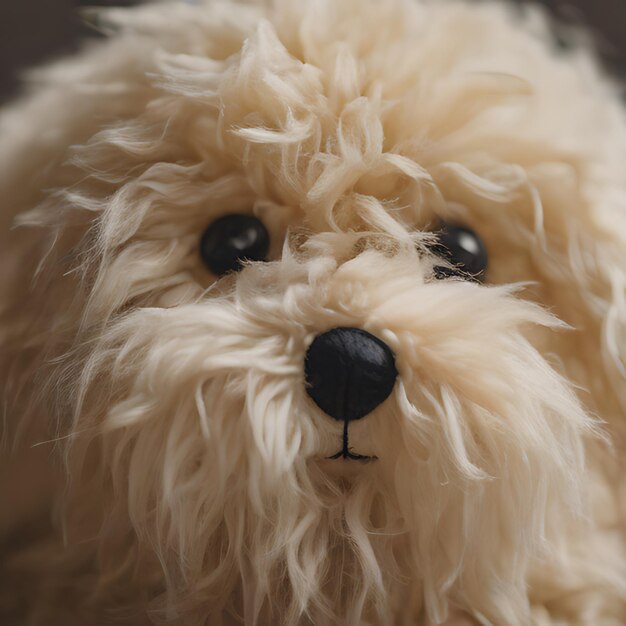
(33, 31)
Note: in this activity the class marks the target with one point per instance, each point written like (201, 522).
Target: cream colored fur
(162, 460)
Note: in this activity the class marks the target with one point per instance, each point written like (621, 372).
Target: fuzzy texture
(162, 461)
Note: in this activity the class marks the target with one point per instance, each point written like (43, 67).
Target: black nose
(349, 372)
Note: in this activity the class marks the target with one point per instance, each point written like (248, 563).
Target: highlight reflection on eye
(232, 239)
(464, 250)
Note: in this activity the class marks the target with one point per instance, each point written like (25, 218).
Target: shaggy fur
(162, 461)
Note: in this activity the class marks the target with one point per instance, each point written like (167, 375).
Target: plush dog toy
(313, 313)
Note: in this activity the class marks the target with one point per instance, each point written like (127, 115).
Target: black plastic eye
(232, 239)
(465, 251)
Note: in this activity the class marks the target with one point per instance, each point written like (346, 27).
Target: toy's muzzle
(349, 372)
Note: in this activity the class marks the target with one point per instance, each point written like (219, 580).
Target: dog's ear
(63, 105)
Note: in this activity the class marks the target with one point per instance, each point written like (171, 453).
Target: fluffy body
(163, 462)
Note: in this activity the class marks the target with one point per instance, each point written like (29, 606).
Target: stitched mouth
(351, 456)
(346, 452)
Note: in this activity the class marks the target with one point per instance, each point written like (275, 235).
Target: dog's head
(307, 330)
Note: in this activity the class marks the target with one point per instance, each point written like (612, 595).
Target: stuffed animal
(313, 313)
